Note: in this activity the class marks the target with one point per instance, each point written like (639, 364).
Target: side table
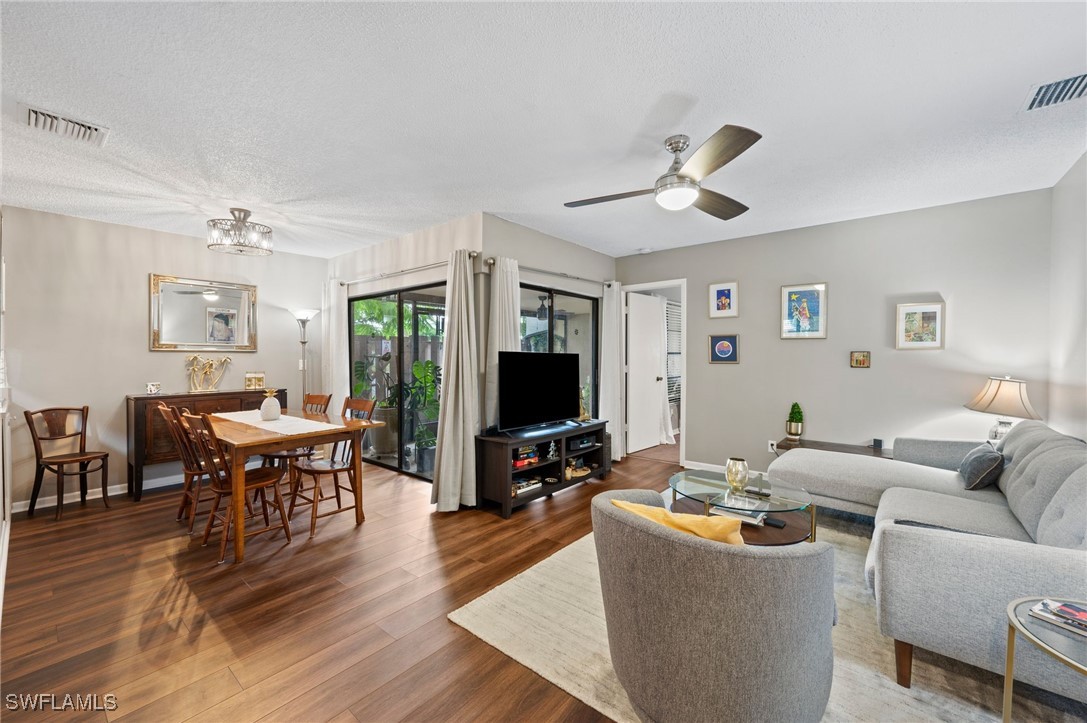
(1067, 647)
(787, 444)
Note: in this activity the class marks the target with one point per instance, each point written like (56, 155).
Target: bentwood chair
(60, 443)
(340, 462)
(259, 481)
(192, 465)
(311, 404)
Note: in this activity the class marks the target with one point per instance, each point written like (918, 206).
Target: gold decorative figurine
(202, 375)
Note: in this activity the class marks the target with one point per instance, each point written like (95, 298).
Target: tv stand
(497, 455)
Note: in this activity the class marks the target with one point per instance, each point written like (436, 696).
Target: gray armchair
(703, 631)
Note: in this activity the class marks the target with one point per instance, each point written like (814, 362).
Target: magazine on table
(1068, 616)
(748, 518)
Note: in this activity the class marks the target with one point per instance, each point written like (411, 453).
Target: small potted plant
(794, 427)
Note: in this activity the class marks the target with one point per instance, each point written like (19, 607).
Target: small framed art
(222, 324)
(919, 326)
(724, 348)
(724, 299)
(860, 359)
(804, 311)
(254, 380)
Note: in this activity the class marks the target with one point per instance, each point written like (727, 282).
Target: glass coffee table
(712, 490)
(1067, 647)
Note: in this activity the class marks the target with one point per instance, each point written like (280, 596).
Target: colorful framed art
(724, 348)
(919, 326)
(804, 311)
(724, 299)
(254, 380)
(860, 359)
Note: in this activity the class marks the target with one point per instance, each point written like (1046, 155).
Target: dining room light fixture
(239, 235)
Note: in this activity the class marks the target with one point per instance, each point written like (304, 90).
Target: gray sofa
(945, 561)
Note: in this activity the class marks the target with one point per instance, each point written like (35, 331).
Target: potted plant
(794, 427)
(422, 399)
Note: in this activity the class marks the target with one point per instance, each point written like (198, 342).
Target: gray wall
(987, 259)
(1068, 304)
(76, 324)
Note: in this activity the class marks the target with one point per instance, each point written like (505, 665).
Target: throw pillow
(721, 529)
(981, 467)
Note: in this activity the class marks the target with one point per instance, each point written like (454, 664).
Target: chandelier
(239, 235)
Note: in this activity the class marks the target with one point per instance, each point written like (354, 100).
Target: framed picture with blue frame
(724, 348)
(804, 311)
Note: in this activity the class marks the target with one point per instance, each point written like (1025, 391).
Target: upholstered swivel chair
(704, 631)
(60, 447)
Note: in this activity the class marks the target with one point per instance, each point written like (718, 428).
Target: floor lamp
(303, 317)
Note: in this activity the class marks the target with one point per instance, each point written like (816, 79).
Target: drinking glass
(736, 473)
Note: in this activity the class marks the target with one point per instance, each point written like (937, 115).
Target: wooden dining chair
(340, 461)
(55, 432)
(311, 404)
(192, 465)
(258, 481)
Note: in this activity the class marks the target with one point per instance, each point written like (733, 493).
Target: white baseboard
(94, 493)
(705, 466)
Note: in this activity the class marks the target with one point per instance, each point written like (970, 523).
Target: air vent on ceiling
(1042, 96)
(62, 125)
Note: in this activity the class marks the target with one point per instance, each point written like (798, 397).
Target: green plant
(796, 414)
(422, 399)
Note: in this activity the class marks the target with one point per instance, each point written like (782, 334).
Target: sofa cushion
(1037, 461)
(861, 479)
(981, 467)
(1064, 521)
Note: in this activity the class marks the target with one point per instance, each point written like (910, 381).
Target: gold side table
(1065, 646)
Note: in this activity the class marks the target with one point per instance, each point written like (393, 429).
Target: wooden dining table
(241, 441)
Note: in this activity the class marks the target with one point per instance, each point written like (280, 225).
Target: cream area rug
(550, 619)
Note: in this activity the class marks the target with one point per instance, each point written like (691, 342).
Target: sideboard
(149, 440)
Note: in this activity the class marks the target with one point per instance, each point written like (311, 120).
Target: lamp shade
(1006, 397)
(306, 314)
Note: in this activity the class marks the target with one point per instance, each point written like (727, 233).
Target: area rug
(550, 619)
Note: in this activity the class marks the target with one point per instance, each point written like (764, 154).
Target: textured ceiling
(342, 125)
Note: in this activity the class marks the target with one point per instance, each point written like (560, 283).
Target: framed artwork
(222, 325)
(919, 326)
(860, 359)
(804, 311)
(724, 348)
(254, 380)
(724, 299)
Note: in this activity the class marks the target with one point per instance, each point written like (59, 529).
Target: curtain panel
(503, 328)
(335, 364)
(612, 362)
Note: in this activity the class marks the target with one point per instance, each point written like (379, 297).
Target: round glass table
(1067, 647)
(712, 490)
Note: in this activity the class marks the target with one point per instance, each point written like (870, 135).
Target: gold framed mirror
(198, 315)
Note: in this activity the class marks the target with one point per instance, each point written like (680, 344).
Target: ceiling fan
(681, 184)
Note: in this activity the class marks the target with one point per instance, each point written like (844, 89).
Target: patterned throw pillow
(981, 467)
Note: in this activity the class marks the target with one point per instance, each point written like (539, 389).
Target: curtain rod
(387, 274)
(490, 262)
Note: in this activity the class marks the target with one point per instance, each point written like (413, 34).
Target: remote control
(756, 491)
(773, 522)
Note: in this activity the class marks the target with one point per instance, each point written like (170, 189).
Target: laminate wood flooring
(349, 626)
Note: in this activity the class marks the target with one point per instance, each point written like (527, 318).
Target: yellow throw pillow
(721, 529)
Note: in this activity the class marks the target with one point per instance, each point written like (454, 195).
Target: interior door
(645, 382)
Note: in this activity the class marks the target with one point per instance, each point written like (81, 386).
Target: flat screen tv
(535, 388)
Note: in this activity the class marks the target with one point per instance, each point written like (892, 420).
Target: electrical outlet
(771, 446)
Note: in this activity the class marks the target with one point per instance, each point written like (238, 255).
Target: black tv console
(497, 460)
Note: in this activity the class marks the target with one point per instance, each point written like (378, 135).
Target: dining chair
(340, 461)
(192, 465)
(257, 481)
(55, 432)
(311, 404)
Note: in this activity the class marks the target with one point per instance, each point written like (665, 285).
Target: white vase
(270, 409)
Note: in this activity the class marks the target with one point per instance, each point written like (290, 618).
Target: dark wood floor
(348, 626)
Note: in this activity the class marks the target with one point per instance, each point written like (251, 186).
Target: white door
(645, 366)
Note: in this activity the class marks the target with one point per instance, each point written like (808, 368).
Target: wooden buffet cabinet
(149, 440)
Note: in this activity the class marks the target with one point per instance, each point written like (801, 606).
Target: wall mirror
(197, 315)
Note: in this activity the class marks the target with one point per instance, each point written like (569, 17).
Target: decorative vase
(269, 408)
(736, 473)
(793, 430)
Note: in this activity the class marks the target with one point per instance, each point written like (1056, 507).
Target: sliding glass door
(396, 355)
(556, 321)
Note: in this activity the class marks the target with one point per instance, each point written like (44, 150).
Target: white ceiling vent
(62, 125)
(1042, 96)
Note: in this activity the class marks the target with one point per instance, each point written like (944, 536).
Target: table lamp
(1005, 397)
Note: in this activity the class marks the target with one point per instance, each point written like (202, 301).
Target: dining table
(244, 434)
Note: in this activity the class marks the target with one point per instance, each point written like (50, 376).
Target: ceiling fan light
(676, 193)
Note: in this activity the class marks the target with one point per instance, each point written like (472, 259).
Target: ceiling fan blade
(717, 205)
(603, 199)
(719, 149)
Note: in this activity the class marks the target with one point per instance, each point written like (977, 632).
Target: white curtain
(612, 363)
(667, 436)
(503, 328)
(458, 420)
(335, 364)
